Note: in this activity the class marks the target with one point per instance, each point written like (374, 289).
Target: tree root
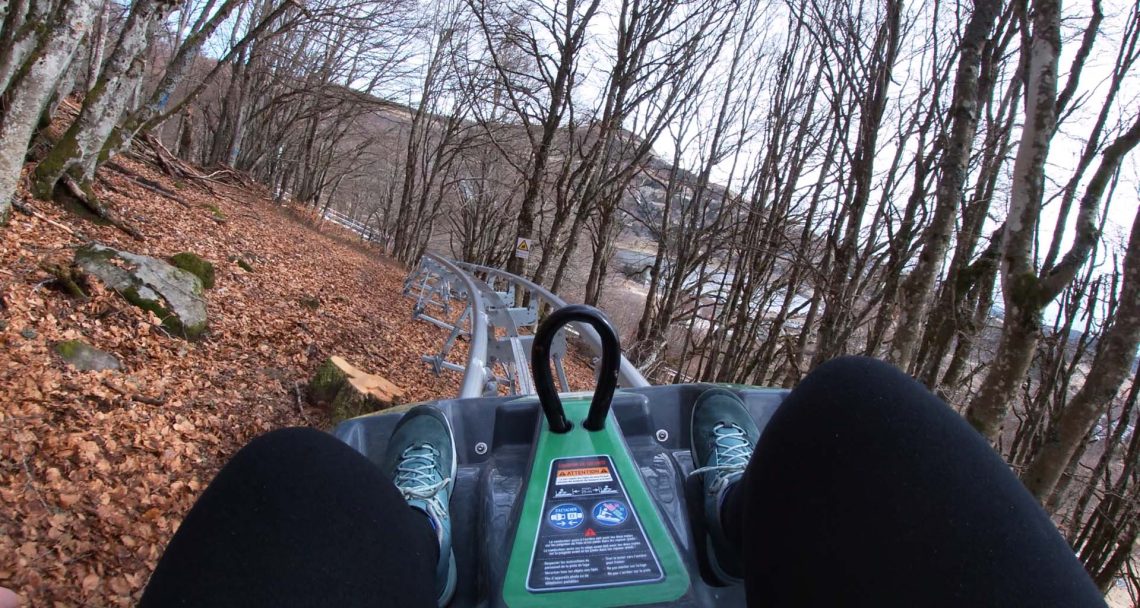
(67, 187)
(143, 183)
(23, 207)
(26, 208)
(68, 280)
(156, 401)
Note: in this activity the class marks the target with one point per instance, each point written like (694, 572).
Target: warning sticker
(582, 475)
(590, 536)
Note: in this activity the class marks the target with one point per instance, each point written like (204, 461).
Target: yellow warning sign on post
(523, 247)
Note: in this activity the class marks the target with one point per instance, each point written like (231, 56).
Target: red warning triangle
(590, 533)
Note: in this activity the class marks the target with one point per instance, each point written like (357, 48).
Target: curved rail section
(435, 283)
(500, 333)
(628, 375)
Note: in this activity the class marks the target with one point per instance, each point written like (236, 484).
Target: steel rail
(475, 374)
(628, 375)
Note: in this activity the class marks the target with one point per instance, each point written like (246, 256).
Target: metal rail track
(500, 333)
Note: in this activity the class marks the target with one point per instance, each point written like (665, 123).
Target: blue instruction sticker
(566, 516)
(611, 513)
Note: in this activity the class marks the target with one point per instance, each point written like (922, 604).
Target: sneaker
(723, 436)
(421, 461)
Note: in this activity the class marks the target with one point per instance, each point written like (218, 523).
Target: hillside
(100, 466)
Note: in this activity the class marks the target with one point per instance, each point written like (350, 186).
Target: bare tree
(952, 169)
(869, 86)
(1115, 356)
(433, 143)
(537, 99)
(31, 87)
(1026, 292)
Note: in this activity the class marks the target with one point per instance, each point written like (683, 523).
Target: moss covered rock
(83, 356)
(171, 293)
(194, 264)
(350, 392)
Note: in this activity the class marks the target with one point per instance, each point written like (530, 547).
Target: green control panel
(589, 534)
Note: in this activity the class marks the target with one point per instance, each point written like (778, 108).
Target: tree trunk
(187, 52)
(953, 168)
(1023, 301)
(21, 36)
(1112, 363)
(1026, 294)
(78, 151)
(32, 88)
(97, 45)
(835, 322)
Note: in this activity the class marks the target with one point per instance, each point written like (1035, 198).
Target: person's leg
(865, 489)
(298, 518)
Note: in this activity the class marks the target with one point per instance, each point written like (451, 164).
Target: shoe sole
(452, 573)
(454, 450)
(452, 579)
(694, 499)
(692, 435)
(724, 578)
(694, 495)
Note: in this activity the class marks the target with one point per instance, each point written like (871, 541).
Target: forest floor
(97, 469)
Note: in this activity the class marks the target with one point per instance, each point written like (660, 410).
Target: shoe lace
(418, 477)
(731, 452)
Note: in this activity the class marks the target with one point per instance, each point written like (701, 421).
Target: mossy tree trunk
(32, 87)
(917, 290)
(20, 36)
(1027, 292)
(77, 152)
(1114, 358)
(1019, 281)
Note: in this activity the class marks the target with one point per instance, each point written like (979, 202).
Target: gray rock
(173, 294)
(85, 357)
(28, 333)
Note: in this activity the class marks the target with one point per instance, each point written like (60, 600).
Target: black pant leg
(298, 518)
(867, 490)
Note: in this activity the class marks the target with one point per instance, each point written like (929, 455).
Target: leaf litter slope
(100, 467)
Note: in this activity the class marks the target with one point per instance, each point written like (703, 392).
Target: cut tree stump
(351, 392)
